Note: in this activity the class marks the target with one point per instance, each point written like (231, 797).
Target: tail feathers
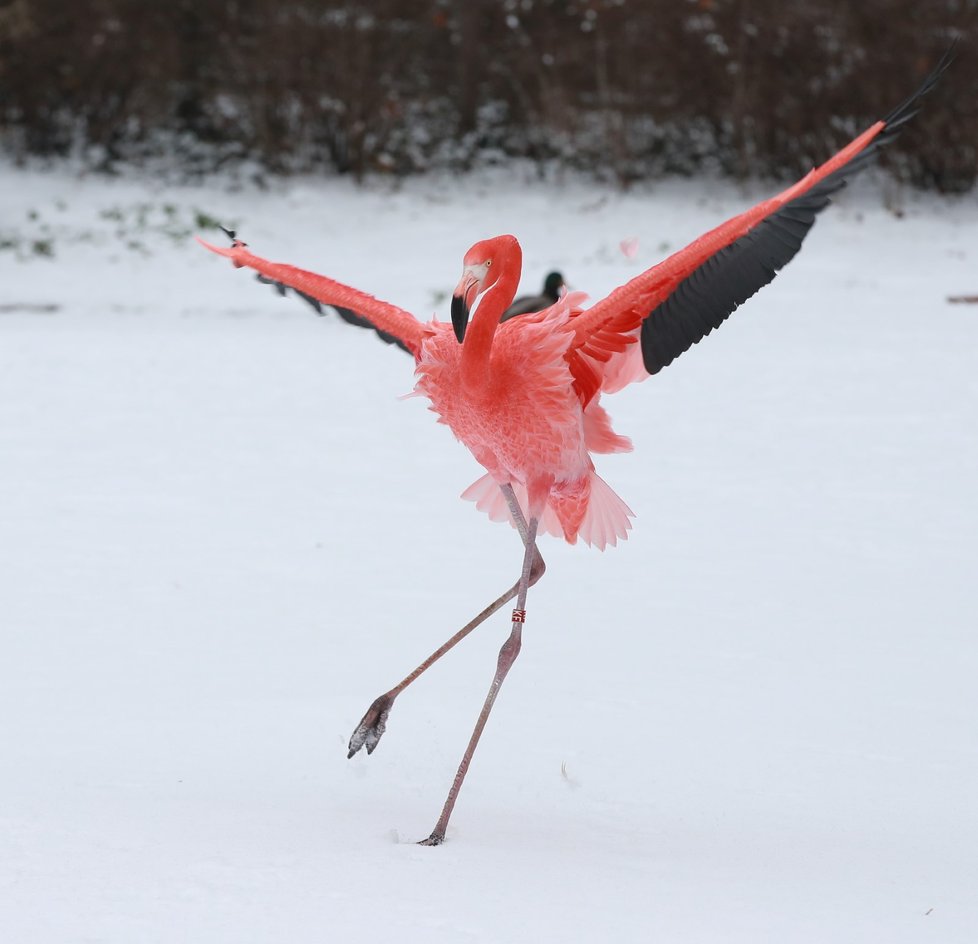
(608, 518)
(488, 498)
(606, 521)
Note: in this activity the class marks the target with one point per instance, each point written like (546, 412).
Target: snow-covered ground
(221, 535)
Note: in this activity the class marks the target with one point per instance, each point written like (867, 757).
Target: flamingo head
(483, 266)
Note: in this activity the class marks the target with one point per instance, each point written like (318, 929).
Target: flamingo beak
(462, 300)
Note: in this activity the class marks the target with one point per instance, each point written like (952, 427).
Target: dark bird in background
(553, 286)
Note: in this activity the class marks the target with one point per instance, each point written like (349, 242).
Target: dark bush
(620, 88)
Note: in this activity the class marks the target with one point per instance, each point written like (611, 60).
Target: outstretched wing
(394, 325)
(675, 304)
(347, 314)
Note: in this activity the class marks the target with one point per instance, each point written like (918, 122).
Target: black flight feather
(704, 299)
(347, 314)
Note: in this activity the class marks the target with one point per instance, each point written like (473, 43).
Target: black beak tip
(460, 317)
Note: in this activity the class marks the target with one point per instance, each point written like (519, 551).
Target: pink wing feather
(386, 317)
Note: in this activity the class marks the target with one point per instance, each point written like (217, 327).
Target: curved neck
(477, 345)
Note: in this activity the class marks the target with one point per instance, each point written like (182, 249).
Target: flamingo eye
(488, 262)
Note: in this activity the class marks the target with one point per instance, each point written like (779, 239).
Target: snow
(221, 536)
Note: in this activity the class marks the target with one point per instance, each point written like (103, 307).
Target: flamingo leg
(374, 722)
(507, 656)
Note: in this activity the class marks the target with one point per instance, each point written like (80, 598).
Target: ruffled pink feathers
(606, 518)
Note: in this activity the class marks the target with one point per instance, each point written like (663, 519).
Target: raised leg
(507, 656)
(373, 724)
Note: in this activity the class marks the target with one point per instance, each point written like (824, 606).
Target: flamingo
(524, 395)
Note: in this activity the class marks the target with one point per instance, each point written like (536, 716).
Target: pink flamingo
(524, 394)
